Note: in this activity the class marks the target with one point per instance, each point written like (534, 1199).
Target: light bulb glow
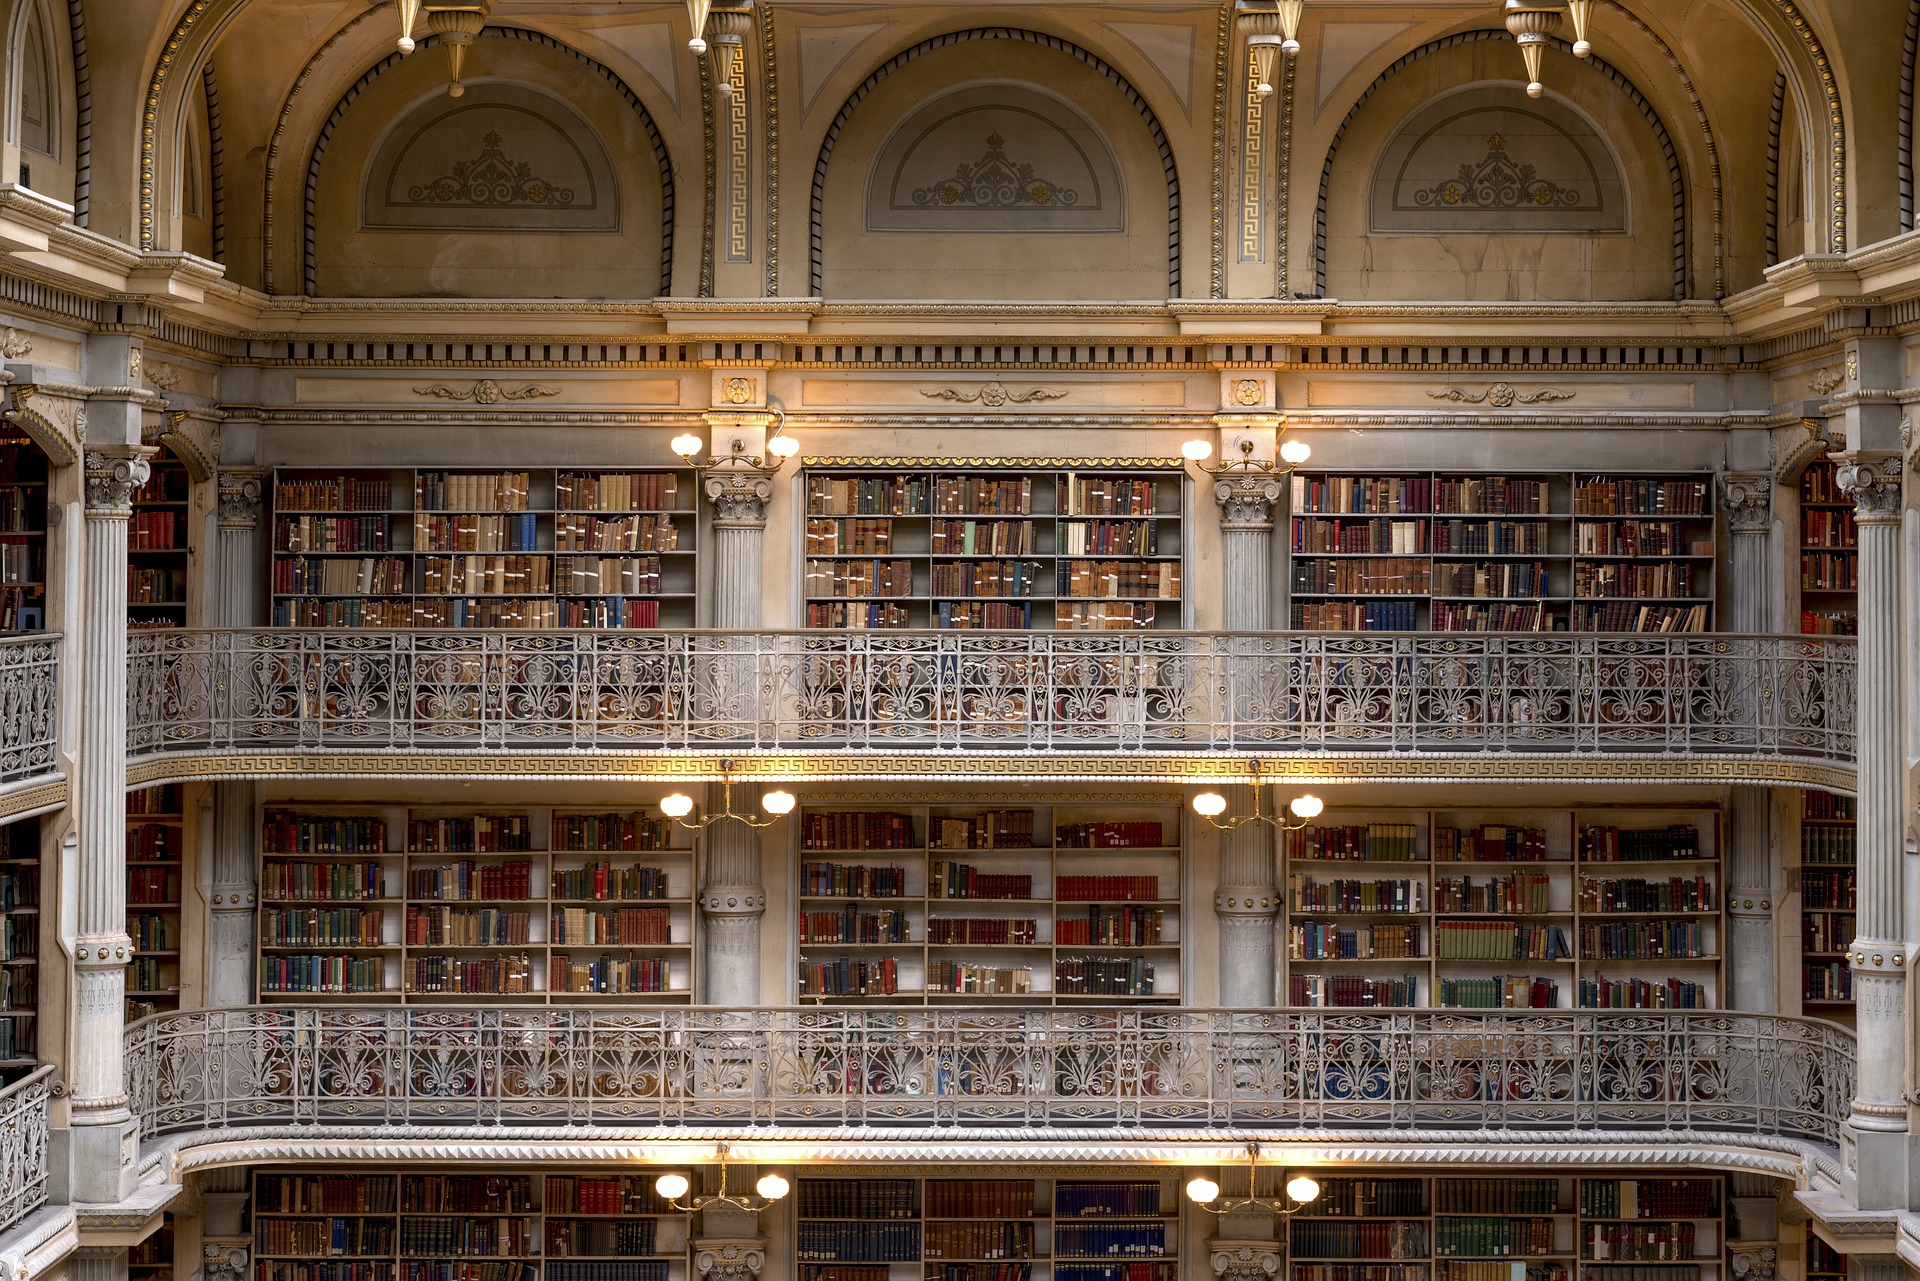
(779, 802)
(686, 444)
(1210, 804)
(1296, 451)
(1201, 1189)
(1197, 451)
(783, 447)
(1308, 806)
(773, 1187)
(1302, 1188)
(671, 1186)
(677, 805)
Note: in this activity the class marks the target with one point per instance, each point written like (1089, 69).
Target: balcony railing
(1782, 698)
(23, 1146)
(1523, 1070)
(29, 708)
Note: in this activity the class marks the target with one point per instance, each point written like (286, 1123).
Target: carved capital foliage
(729, 1260)
(112, 477)
(1755, 1262)
(1749, 501)
(1246, 502)
(1245, 1260)
(240, 491)
(1873, 479)
(224, 1258)
(739, 496)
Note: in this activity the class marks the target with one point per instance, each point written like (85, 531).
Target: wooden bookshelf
(1504, 909)
(439, 904)
(951, 904)
(1009, 546)
(338, 1225)
(987, 1229)
(1828, 898)
(1824, 1263)
(445, 547)
(23, 535)
(156, 848)
(1449, 551)
(152, 1259)
(1829, 555)
(19, 947)
(157, 542)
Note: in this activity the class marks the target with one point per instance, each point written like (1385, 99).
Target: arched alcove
(41, 113)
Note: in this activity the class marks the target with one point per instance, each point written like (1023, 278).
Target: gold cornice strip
(1058, 767)
(33, 800)
(1130, 464)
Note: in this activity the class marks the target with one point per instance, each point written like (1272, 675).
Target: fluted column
(1748, 500)
(1245, 905)
(739, 496)
(102, 1124)
(1879, 952)
(733, 903)
(1246, 543)
(238, 579)
(98, 1263)
(233, 895)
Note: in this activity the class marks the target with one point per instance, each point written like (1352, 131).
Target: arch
(33, 117)
(1671, 153)
(899, 60)
(1909, 53)
(620, 86)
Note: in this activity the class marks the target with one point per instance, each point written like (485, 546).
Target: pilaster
(1246, 903)
(103, 1135)
(232, 896)
(732, 903)
(1246, 541)
(1878, 953)
(1747, 498)
(237, 580)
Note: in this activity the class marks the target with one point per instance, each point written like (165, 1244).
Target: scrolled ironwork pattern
(24, 1130)
(1518, 1070)
(1405, 694)
(29, 707)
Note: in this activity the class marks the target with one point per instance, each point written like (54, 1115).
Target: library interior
(588, 692)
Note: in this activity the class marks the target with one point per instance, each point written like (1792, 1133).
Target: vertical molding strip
(771, 117)
(1773, 164)
(1910, 52)
(1252, 232)
(1283, 194)
(710, 209)
(82, 114)
(1217, 216)
(216, 165)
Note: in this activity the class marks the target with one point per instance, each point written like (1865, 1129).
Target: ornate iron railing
(29, 707)
(23, 1145)
(1535, 695)
(1523, 1070)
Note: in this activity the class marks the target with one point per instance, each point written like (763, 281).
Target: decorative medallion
(1249, 391)
(488, 392)
(1497, 182)
(739, 391)
(1824, 382)
(993, 395)
(996, 182)
(490, 180)
(1502, 396)
(14, 344)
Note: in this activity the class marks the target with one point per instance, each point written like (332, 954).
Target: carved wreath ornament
(490, 180)
(487, 392)
(1502, 396)
(1497, 182)
(995, 182)
(993, 395)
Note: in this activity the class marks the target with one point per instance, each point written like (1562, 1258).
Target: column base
(1877, 1168)
(102, 1161)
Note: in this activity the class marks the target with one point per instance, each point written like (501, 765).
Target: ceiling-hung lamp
(697, 11)
(1303, 808)
(457, 26)
(1292, 454)
(1302, 1191)
(1533, 26)
(673, 1186)
(409, 11)
(1581, 11)
(677, 805)
(730, 27)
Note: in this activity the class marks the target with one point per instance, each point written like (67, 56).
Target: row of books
(1505, 992)
(959, 978)
(850, 925)
(1831, 981)
(1076, 495)
(156, 585)
(858, 578)
(1119, 580)
(1835, 529)
(476, 574)
(1490, 843)
(857, 830)
(632, 975)
(335, 534)
(601, 881)
(867, 496)
(983, 537)
(993, 931)
(1314, 941)
(1483, 537)
(1645, 940)
(1110, 927)
(627, 1194)
(466, 879)
(857, 1242)
(846, 976)
(1826, 931)
(1308, 894)
(1490, 580)
(1601, 843)
(1641, 994)
(856, 536)
(324, 1194)
(1639, 1241)
(332, 975)
(616, 491)
(1081, 1240)
(1369, 1198)
(1356, 842)
(1356, 616)
(333, 1236)
(838, 880)
(471, 491)
(469, 1237)
(1102, 976)
(1824, 844)
(568, 1238)
(1365, 537)
(475, 1193)
(322, 927)
(291, 832)
(1393, 1239)
(1649, 1198)
(153, 885)
(1383, 576)
(17, 1039)
(1829, 572)
(1487, 1236)
(530, 614)
(19, 887)
(496, 975)
(347, 493)
(1347, 991)
(1494, 618)
(156, 531)
(1664, 580)
(314, 576)
(154, 933)
(1637, 538)
(576, 533)
(630, 926)
(1016, 578)
(980, 1199)
(1624, 616)
(473, 927)
(1107, 538)
(471, 834)
(1499, 941)
(1133, 834)
(1638, 894)
(1107, 889)
(964, 881)
(1520, 892)
(153, 842)
(515, 533)
(1640, 496)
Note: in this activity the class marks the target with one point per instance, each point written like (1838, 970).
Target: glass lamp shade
(1210, 804)
(671, 1186)
(686, 444)
(1296, 452)
(1197, 451)
(1306, 806)
(773, 1187)
(1201, 1189)
(783, 447)
(1302, 1188)
(780, 802)
(678, 805)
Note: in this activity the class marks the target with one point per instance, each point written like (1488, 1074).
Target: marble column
(1246, 901)
(102, 1135)
(1751, 895)
(237, 590)
(233, 895)
(1879, 951)
(732, 899)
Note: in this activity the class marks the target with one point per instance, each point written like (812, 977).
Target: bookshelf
(1446, 551)
(957, 903)
(1824, 1263)
(436, 904)
(994, 546)
(19, 947)
(1504, 909)
(331, 1225)
(987, 1229)
(23, 534)
(442, 547)
(1829, 555)
(1827, 903)
(156, 846)
(152, 1259)
(157, 541)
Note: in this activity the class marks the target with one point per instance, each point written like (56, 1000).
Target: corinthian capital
(240, 497)
(113, 476)
(1748, 496)
(1873, 478)
(1245, 1260)
(1246, 501)
(739, 496)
